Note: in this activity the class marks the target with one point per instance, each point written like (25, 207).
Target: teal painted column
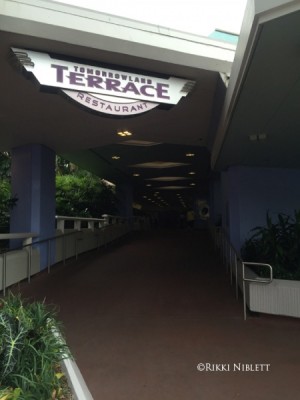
(33, 183)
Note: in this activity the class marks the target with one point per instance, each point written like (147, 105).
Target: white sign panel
(108, 105)
(51, 72)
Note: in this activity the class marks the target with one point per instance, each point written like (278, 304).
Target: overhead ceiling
(259, 122)
(263, 126)
(30, 115)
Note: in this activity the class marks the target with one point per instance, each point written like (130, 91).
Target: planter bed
(75, 380)
(280, 297)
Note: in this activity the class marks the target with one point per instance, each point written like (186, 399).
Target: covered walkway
(141, 315)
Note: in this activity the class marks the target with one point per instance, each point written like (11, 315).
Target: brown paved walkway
(141, 316)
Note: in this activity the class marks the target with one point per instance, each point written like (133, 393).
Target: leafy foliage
(5, 165)
(29, 351)
(278, 244)
(84, 196)
(65, 167)
(7, 202)
(80, 193)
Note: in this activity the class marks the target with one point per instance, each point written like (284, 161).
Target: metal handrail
(62, 236)
(231, 258)
(30, 245)
(230, 255)
(256, 280)
(68, 218)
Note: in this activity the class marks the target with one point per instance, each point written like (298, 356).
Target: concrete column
(33, 183)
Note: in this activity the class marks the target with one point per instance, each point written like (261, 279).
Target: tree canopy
(78, 192)
(83, 196)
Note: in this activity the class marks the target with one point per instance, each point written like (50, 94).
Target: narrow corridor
(141, 315)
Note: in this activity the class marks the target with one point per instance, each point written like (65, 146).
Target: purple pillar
(33, 183)
(248, 193)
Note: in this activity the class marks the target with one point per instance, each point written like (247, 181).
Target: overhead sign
(110, 105)
(85, 83)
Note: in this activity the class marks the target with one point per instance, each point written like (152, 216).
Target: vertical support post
(91, 225)
(33, 179)
(236, 277)
(29, 264)
(61, 225)
(64, 249)
(230, 263)
(49, 255)
(4, 274)
(244, 292)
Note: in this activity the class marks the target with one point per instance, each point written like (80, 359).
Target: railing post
(29, 264)
(49, 255)
(230, 263)
(236, 277)
(76, 247)
(64, 249)
(261, 281)
(244, 300)
(91, 225)
(4, 274)
(77, 225)
(61, 225)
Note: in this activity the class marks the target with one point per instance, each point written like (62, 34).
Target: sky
(201, 17)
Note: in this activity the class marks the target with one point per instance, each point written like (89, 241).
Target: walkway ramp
(142, 315)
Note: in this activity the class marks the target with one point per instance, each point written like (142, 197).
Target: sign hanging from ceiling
(103, 90)
(110, 105)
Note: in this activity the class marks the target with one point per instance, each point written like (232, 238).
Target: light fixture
(257, 138)
(168, 178)
(253, 138)
(115, 157)
(142, 143)
(159, 164)
(136, 174)
(192, 173)
(262, 136)
(192, 184)
(124, 133)
(190, 154)
(173, 187)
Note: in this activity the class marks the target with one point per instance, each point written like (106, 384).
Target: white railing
(26, 236)
(238, 269)
(85, 234)
(92, 223)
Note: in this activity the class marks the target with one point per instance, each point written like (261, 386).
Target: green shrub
(277, 243)
(84, 196)
(30, 352)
